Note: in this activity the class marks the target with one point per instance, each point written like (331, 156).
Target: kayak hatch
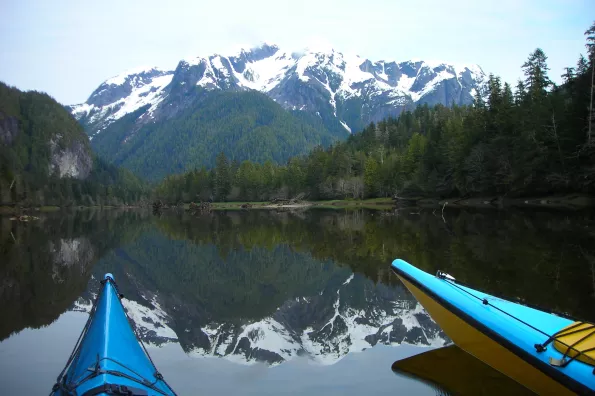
(108, 358)
(576, 341)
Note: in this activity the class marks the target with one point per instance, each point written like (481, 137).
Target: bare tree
(590, 33)
(357, 187)
(555, 135)
(590, 139)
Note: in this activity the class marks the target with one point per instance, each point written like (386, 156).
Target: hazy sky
(68, 47)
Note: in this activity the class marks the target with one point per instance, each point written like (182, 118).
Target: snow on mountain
(346, 88)
(124, 94)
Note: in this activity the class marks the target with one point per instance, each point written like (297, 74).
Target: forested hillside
(45, 157)
(243, 125)
(535, 138)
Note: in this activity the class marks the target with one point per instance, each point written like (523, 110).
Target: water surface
(267, 302)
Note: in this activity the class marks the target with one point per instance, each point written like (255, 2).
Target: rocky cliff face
(9, 128)
(74, 160)
(67, 159)
(343, 90)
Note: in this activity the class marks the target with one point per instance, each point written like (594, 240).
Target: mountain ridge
(264, 104)
(310, 80)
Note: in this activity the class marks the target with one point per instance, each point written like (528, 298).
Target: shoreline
(568, 202)
(16, 209)
(373, 203)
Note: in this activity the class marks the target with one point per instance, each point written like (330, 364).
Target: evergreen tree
(371, 176)
(590, 33)
(222, 177)
(536, 79)
(520, 92)
(569, 75)
(590, 37)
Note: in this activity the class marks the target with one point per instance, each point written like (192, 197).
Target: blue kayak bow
(109, 358)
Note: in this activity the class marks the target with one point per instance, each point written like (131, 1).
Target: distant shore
(557, 202)
(16, 209)
(374, 203)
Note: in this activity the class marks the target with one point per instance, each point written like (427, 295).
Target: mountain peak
(142, 70)
(319, 45)
(457, 66)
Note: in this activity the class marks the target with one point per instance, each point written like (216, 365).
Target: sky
(68, 47)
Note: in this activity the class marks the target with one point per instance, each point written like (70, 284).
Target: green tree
(222, 177)
(372, 177)
(536, 79)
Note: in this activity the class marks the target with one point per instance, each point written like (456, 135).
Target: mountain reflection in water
(269, 287)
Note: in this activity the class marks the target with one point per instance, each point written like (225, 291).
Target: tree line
(534, 138)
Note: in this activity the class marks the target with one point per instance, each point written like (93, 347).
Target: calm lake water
(267, 302)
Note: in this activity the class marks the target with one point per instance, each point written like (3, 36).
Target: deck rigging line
(538, 347)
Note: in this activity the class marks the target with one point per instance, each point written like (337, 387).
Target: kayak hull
(497, 339)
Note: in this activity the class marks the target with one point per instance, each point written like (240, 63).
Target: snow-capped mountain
(345, 91)
(123, 94)
(324, 327)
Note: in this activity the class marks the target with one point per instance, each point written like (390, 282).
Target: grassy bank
(374, 203)
(561, 202)
(238, 205)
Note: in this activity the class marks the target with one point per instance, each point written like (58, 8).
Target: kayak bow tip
(108, 275)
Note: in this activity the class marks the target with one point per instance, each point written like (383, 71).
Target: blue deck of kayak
(111, 341)
(519, 334)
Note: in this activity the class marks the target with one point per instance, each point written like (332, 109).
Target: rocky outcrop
(73, 160)
(9, 129)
